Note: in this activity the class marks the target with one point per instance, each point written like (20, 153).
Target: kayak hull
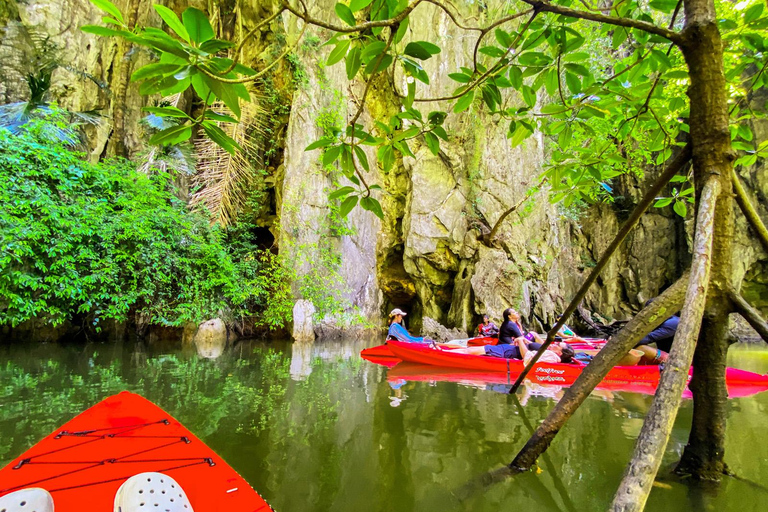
(83, 463)
(555, 373)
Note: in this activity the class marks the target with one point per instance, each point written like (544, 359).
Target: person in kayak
(487, 328)
(663, 335)
(400, 333)
(521, 349)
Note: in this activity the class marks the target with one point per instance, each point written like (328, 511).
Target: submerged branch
(672, 168)
(750, 314)
(749, 211)
(641, 471)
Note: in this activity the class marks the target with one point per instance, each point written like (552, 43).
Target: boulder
(433, 329)
(303, 325)
(211, 338)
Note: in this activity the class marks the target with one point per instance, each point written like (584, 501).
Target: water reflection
(315, 428)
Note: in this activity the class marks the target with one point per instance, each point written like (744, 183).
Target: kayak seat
(33, 499)
(153, 492)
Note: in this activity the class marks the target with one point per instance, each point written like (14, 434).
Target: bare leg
(475, 351)
(651, 355)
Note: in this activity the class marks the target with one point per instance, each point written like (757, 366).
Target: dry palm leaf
(222, 178)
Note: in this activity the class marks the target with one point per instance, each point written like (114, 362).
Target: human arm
(399, 332)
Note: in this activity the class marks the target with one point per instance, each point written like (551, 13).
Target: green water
(315, 428)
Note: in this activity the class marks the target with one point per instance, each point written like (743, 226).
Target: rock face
(303, 313)
(425, 255)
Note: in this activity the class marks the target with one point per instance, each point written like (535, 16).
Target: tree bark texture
(713, 156)
(672, 168)
(749, 211)
(750, 314)
(121, 86)
(644, 322)
(649, 449)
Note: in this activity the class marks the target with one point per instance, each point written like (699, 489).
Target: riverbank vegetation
(85, 243)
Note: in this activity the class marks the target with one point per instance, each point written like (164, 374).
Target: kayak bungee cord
(91, 438)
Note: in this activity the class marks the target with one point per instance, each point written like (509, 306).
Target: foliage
(98, 241)
(38, 58)
(614, 99)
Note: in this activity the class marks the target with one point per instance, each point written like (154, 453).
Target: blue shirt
(399, 333)
(663, 335)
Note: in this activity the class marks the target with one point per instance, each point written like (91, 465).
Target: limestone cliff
(425, 256)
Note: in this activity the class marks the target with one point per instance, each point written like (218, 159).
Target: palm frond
(223, 179)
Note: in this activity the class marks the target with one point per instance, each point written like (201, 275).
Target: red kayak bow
(83, 463)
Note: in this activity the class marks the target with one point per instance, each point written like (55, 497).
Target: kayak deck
(84, 462)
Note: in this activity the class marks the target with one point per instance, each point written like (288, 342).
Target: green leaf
(197, 25)
(213, 46)
(339, 52)
(516, 77)
(330, 155)
(462, 78)
(372, 205)
(401, 30)
(574, 85)
(106, 31)
(665, 6)
(170, 19)
(440, 132)
(464, 102)
(663, 201)
(107, 6)
(680, 208)
(218, 136)
(386, 155)
(343, 191)
(357, 5)
(347, 205)
(215, 116)
(345, 14)
(321, 143)
(417, 51)
(492, 51)
(753, 13)
(172, 135)
(371, 50)
(504, 39)
(353, 62)
(362, 157)
(529, 95)
(433, 143)
(167, 112)
(372, 68)
(154, 70)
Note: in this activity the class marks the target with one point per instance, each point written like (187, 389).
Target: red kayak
(378, 353)
(422, 372)
(89, 458)
(554, 373)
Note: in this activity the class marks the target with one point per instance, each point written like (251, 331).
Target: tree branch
(641, 472)
(617, 347)
(673, 166)
(750, 314)
(749, 211)
(357, 28)
(545, 6)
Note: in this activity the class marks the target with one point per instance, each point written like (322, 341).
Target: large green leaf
(345, 14)
(154, 70)
(197, 25)
(347, 205)
(464, 102)
(172, 135)
(372, 205)
(357, 5)
(338, 53)
(167, 112)
(172, 21)
(353, 62)
(107, 6)
(218, 136)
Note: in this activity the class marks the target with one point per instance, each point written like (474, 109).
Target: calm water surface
(315, 428)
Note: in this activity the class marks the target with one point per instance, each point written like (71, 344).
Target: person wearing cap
(398, 332)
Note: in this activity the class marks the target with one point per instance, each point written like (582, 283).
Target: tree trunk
(712, 157)
(750, 314)
(672, 167)
(649, 450)
(121, 86)
(648, 319)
